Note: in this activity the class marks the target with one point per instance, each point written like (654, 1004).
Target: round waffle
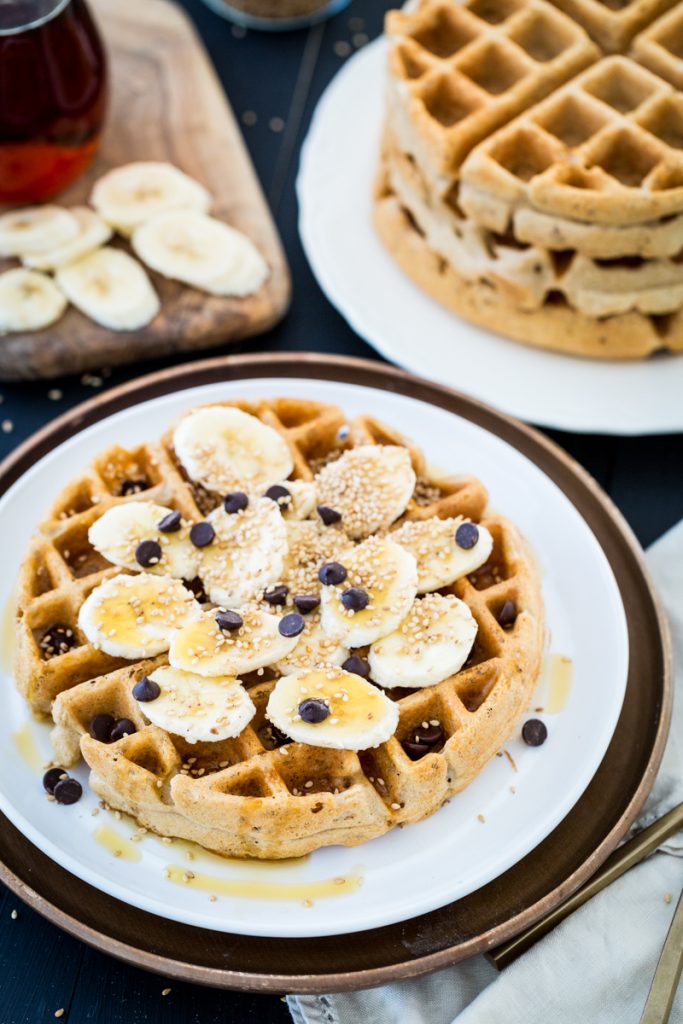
(258, 794)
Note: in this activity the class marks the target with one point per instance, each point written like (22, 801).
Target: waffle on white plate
(276, 630)
(531, 173)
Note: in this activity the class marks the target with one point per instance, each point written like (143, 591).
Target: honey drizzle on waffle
(253, 795)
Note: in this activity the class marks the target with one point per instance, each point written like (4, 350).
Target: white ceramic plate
(359, 277)
(409, 871)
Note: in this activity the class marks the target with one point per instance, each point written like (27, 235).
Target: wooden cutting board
(166, 104)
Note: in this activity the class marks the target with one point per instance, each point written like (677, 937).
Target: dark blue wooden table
(274, 82)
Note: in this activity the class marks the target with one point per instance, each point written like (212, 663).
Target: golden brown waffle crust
(244, 796)
(626, 336)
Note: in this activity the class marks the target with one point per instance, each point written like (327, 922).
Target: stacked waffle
(245, 785)
(532, 168)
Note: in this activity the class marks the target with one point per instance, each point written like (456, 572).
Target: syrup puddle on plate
(261, 889)
(26, 745)
(554, 684)
(117, 845)
(253, 879)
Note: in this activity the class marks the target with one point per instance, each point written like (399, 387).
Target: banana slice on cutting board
(225, 449)
(247, 554)
(328, 707)
(441, 560)
(431, 644)
(200, 251)
(142, 535)
(111, 288)
(29, 301)
(314, 648)
(36, 229)
(129, 195)
(204, 648)
(92, 233)
(370, 486)
(376, 593)
(135, 616)
(197, 708)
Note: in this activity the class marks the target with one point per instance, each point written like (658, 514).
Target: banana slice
(111, 288)
(205, 649)
(225, 449)
(135, 616)
(202, 252)
(431, 644)
(370, 486)
(440, 559)
(302, 500)
(314, 649)
(92, 233)
(129, 535)
(199, 709)
(36, 229)
(344, 711)
(247, 554)
(28, 301)
(310, 545)
(376, 594)
(127, 196)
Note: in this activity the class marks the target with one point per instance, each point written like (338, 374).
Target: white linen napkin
(596, 967)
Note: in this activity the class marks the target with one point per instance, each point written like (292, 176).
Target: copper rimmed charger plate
(478, 922)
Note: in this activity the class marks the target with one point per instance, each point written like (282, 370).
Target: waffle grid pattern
(560, 192)
(259, 795)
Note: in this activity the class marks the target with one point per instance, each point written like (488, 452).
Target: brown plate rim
(530, 443)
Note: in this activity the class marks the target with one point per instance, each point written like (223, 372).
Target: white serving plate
(409, 871)
(338, 165)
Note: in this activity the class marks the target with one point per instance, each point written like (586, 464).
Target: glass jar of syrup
(53, 95)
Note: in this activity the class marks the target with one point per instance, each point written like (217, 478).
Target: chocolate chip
(51, 777)
(170, 523)
(202, 534)
(133, 486)
(507, 615)
(328, 515)
(196, 587)
(123, 727)
(279, 494)
(332, 574)
(430, 735)
(276, 595)
(68, 791)
(415, 750)
(359, 666)
(229, 620)
(237, 501)
(466, 536)
(306, 603)
(313, 710)
(101, 727)
(57, 640)
(146, 689)
(355, 599)
(291, 625)
(534, 732)
(148, 552)
(422, 741)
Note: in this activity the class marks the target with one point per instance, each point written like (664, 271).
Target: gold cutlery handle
(666, 977)
(618, 862)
